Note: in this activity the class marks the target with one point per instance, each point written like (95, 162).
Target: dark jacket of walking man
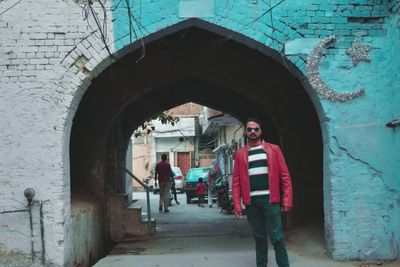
(163, 174)
(259, 178)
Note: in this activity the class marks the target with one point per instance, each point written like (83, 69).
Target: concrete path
(193, 236)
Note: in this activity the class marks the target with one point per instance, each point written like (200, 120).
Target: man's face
(253, 130)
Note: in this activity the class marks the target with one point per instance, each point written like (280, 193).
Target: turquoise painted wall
(361, 155)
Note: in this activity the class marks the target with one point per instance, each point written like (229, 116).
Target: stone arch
(90, 57)
(81, 82)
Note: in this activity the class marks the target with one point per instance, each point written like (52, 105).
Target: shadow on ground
(194, 236)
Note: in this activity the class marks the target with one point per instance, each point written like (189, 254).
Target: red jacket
(278, 177)
(200, 189)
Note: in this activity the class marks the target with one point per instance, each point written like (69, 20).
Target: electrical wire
(219, 43)
(10, 7)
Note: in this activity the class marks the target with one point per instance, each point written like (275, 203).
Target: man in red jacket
(259, 178)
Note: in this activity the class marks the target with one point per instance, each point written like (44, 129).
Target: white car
(179, 181)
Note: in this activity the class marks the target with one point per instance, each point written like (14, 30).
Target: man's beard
(253, 138)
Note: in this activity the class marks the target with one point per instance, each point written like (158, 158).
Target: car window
(177, 171)
(193, 173)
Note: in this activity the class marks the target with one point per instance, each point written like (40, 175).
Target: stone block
(300, 46)
(330, 8)
(196, 9)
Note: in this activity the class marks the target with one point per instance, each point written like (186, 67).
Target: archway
(188, 62)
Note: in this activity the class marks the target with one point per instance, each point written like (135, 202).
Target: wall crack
(378, 172)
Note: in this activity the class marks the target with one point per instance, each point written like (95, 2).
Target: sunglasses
(249, 129)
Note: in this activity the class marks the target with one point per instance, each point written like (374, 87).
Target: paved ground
(193, 236)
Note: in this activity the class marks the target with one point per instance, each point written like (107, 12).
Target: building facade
(179, 141)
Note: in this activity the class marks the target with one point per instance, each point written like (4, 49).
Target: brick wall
(292, 29)
(36, 38)
(188, 109)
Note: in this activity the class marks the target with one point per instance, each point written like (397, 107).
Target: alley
(193, 236)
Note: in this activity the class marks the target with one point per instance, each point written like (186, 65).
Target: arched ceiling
(197, 65)
(194, 65)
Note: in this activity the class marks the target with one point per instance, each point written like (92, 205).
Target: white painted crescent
(316, 81)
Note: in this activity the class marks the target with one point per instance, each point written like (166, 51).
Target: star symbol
(359, 52)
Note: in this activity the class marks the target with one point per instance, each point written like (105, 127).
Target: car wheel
(188, 199)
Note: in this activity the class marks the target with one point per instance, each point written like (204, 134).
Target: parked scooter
(221, 190)
(149, 182)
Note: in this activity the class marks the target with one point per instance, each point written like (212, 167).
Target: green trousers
(265, 219)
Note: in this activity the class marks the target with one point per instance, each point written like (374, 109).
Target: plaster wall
(393, 136)
(87, 241)
(174, 145)
(128, 179)
(141, 159)
(233, 133)
(361, 191)
(364, 190)
(35, 102)
(185, 127)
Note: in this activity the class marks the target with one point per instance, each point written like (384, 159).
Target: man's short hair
(255, 119)
(164, 156)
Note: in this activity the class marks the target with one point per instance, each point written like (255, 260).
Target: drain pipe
(29, 193)
(42, 234)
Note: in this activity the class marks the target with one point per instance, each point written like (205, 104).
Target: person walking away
(200, 192)
(260, 178)
(163, 174)
(213, 174)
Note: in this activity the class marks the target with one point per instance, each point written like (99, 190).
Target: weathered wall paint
(37, 40)
(362, 192)
(87, 227)
(392, 137)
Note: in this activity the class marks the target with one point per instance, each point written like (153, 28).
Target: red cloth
(278, 176)
(163, 171)
(200, 189)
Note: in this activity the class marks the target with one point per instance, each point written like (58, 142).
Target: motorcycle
(149, 181)
(172, 192)
(221, 190)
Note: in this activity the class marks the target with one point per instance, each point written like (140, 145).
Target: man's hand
(286, 209)
(238, 215)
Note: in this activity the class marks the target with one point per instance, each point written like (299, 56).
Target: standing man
(163, 174)
(213, 174)
(259, 178)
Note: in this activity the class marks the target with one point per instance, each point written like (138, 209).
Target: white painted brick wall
(39, 97)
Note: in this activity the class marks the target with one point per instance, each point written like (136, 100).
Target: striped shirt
(258, 171)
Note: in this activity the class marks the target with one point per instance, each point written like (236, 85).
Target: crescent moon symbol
(316, 81)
